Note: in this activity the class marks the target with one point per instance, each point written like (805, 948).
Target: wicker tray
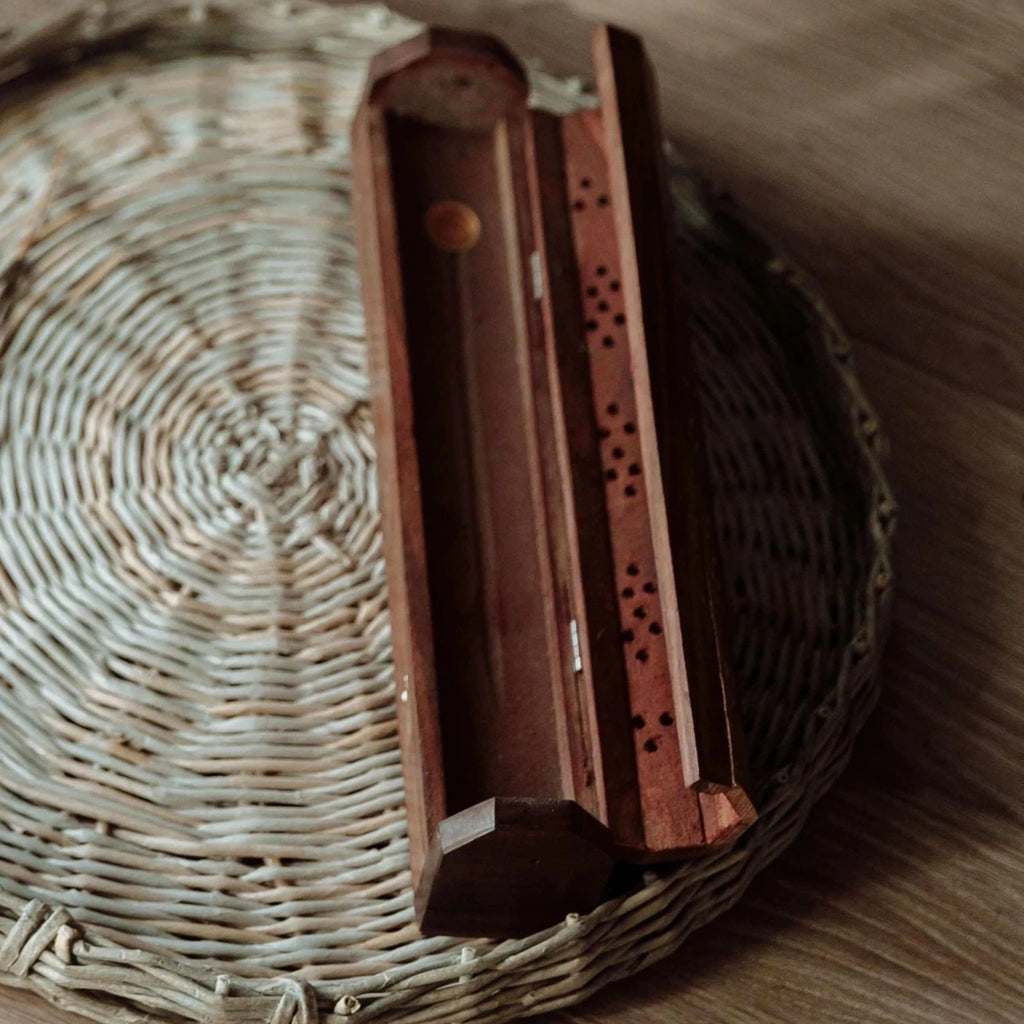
(201, 810)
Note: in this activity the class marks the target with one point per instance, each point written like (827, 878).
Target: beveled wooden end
(510, 867)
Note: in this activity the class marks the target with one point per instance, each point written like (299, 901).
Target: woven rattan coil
(201, 808)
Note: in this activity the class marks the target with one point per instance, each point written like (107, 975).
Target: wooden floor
(882, 142)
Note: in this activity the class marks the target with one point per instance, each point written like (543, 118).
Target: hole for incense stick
(453, 226)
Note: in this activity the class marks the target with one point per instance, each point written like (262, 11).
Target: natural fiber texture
(201, 810)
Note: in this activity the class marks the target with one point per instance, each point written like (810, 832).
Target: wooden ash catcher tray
(565, 698)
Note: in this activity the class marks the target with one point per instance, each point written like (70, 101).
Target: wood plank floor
(882, 142)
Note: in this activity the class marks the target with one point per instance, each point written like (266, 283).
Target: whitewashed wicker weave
(201, 809)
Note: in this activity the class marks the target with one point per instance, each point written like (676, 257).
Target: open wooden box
(565, 701)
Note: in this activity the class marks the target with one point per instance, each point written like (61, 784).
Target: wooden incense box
(565, 700)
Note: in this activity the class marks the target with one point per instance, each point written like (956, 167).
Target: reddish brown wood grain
(398, 475)
(572, 661)
(453, 130)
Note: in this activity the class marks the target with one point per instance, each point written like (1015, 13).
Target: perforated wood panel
(652, 719)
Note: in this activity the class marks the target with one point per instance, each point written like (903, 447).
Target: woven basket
(201, 808)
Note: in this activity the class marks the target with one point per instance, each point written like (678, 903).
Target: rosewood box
(565, 695)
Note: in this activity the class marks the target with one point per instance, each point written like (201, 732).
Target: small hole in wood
(614, 285)
(630, 491)
(627, 636)
(629, 428)
(591, 325)
(656, 628)
(586, 183)
(633, 569)
(602, 306)
(628, 593)
(601, 271)
(592, 291)
(639, 612)
(618, 453)
(612, 475)
(452, 226)
(620, 318)
(666, 719)
(603, 200)
(651, 746)
(604, 433)
(637, 721)
(649, 588)
(613, 410)
(579, 205)
(634, 469)
(609, 341)
(642, 655)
